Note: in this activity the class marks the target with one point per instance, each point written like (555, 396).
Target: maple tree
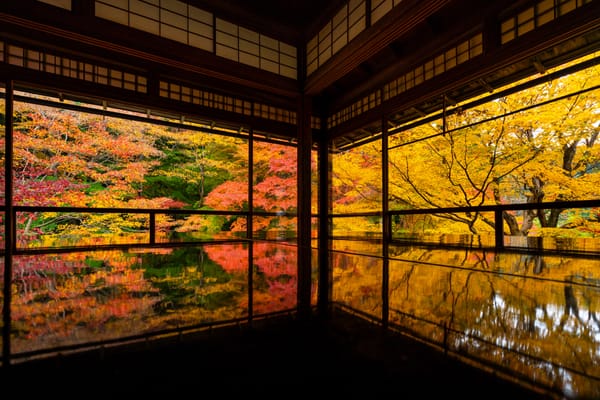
(563, 135)
(68, 158)
(504, 152)
(97, 161)
(356, 179)
(65, 158)
(356, 186)
(273, 189)
(194, 164)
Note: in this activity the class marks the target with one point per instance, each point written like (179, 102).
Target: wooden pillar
(250, 224)
(325, 288)
(386, 223)
(304, 207)
(9, 233)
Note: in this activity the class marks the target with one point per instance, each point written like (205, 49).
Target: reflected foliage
(539, 316)
(81, 297)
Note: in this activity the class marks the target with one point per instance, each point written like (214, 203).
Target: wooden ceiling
(292, 21)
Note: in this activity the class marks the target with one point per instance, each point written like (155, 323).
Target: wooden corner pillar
(325, 287)
(304, 294)
(9, 233)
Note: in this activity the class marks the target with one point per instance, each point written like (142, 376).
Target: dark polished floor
(344, 358)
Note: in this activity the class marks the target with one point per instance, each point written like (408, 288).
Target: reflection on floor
(346, 356)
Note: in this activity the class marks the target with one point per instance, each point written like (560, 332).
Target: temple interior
(330, 95)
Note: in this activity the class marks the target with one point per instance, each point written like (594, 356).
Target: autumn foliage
(67, 158)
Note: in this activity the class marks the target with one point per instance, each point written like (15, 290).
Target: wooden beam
(407, 15)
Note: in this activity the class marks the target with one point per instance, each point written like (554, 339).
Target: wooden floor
(346, 357)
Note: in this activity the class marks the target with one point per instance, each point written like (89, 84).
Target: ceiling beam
(571, 26)
(398, 22)
(95, 38)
